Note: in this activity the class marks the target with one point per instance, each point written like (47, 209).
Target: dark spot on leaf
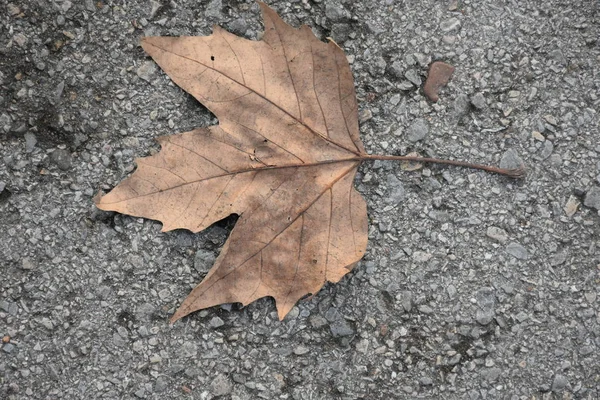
(212, 58)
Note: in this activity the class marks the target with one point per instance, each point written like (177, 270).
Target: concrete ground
(474, 286)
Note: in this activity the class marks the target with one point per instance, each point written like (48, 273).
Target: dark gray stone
(341, 32)
(238, 26)
(396, 69)
(61, 158)
(340, 328)
(460, 105)
(57, 94)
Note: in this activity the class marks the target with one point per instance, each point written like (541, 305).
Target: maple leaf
(283, 158)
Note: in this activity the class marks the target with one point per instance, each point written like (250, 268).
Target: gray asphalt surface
(474, 286)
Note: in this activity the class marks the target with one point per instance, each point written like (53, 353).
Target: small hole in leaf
(212, 58)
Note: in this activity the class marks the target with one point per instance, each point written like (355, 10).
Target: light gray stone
(216, 322)
(396, 191)
(413, 76)
(397, 69)
(30, 142)
(547, 149)
(491, 374)
(451, 24)
(592, 198)
(336, 13)
(146, 71)
(418, 130)
(213, 10)
(204, 260)
(517, 251)
(478, 101)
(510, 159)
(559, 383)
(498, 234)
(221, 386)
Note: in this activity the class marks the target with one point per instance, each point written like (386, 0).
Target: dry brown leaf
(283, 158)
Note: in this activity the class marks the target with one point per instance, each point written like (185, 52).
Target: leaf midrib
(356, 160)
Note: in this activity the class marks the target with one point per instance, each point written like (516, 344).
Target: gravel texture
(474, 286)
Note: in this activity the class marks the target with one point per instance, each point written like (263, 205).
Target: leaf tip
(97, 199)
(181, 312)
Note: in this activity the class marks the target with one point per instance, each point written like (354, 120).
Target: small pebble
(571, 206)
(216, 322)
(213, 9)
(61, 158)
(438, 76)
(510, 159)
(592, 198)
(538, 136)
(450, 25)
(517, 251)
(341, 328)
(559, 382)
(146, 71)
(413, 77)
(418, 130)
(364, 115)
(8, 348)
(478, 101)
(497, 234)
(300, 350)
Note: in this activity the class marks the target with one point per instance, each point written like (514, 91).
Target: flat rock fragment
(592, 198)
(571, 206)
(439, 75)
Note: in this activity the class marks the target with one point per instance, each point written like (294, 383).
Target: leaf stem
(516, 173)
